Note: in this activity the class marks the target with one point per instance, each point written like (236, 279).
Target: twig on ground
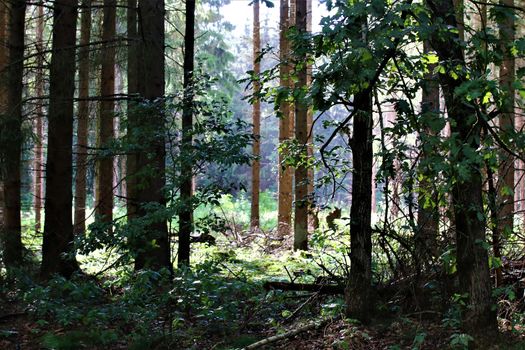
(296, 311)
(276, 338)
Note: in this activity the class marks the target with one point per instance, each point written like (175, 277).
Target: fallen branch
(276, 338)
(296, 312)
(304, 287)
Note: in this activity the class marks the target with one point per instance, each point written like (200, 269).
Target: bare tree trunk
(185, 217)
(472, 256)
(507, 124)
(12, 127)
(58, 254)
(3, 94)
(119, 169)
(285, 182)
(151, 88)
(301, 135)
(39, 129)
(132, 74)
(256, 165)
(310, 126)
(104, 173)
(83, 120)
(359, 284)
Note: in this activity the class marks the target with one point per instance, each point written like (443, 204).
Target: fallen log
(293, 332)
(305, 287)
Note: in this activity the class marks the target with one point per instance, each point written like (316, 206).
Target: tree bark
(153, 247)
(472, 255)
(12, 129)
(39, 129)
(104, 165)
(310, 128)
(357, 294)
(83, 120)
(185, 217)
(256, 165)
(507, 124)
(301, 135)
(285, 174)
(132, 74)
(58, 253)
(3, 96)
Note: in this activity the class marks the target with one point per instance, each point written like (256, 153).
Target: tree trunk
(256, 165)
(83, 120)
(428, 215)
(58, 253)
(1, 206)
(507, 125)
(185, 216)
(119, 173)
(310, 128)
(104, 165)
(153, 247)
(472, 256)
(3, 96)
(39, 129)
(359, 284)
(301, 135)
(285, 182)
(132, 74)
(12, 127)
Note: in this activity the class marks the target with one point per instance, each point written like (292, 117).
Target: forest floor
(220, 304)
(18, 330)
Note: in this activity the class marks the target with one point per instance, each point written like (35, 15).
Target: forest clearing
(266, 174)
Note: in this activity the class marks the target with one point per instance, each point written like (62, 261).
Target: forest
(262, 174)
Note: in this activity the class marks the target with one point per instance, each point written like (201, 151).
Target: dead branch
(276, 338)
(304, 287)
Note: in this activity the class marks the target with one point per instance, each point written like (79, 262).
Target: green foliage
(219, 140)
(460, 341)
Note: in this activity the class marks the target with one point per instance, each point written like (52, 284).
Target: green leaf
(486, 98)
(431, 58)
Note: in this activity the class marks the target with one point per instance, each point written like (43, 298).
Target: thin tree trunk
(428, 216)
(83, 120)
(104, 173)
(185, 217)
(359, 284)
(291, 84)
(12, 126)
(39, 129)
(1, 207)
(58, 254)
(153, 247)
(119, 169)
(507, 125)
(310, 127)
(285, 182)
(3, 94)
(472, 256)
(256, 165)
(301, 135)
(132, 74)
